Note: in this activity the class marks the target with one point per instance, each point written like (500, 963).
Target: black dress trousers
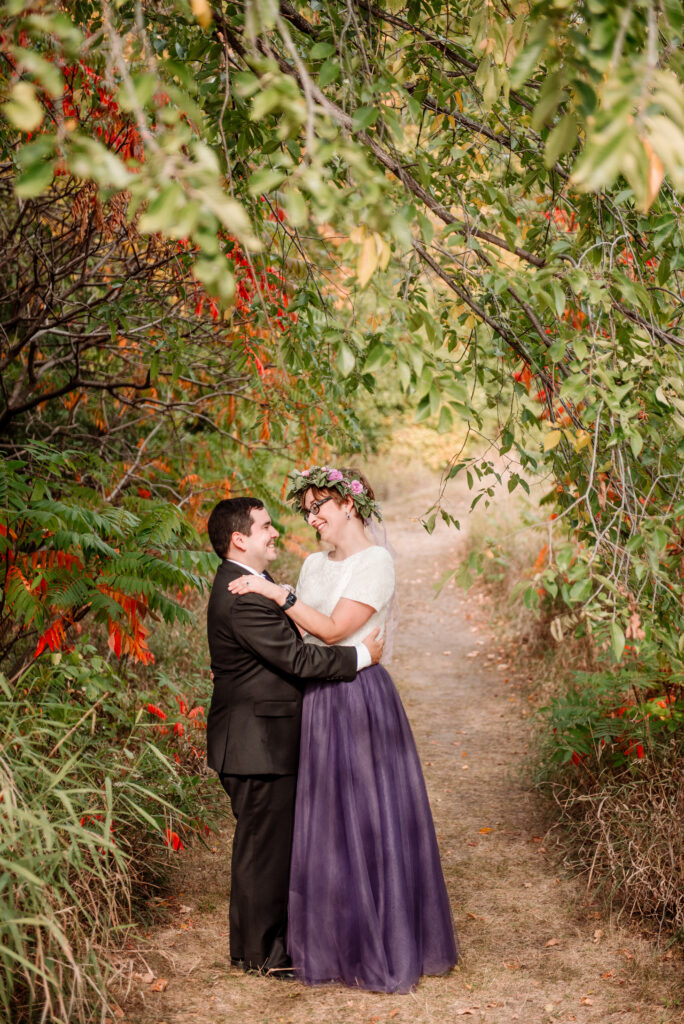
(263, 806)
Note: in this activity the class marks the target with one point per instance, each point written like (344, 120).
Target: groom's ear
(237, 540)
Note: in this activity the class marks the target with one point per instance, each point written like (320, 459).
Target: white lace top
(367, 576)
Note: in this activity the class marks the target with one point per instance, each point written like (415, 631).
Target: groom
(260, 664)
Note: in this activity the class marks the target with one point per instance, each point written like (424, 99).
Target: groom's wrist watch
(289, 601)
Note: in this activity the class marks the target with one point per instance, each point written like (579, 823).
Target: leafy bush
(612, 761)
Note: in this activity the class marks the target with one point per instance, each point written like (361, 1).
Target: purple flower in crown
(356, 487)
(334, 475)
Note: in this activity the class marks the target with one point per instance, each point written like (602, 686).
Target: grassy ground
(536, 948)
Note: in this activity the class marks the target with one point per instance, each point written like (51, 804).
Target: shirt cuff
(363, 658)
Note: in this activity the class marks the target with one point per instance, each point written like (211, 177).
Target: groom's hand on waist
(375, 644)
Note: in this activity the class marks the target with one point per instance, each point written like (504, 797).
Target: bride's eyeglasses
(314, 508)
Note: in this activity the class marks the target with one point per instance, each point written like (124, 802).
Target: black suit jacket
(260, 664)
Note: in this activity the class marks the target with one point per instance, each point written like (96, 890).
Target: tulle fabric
(368, 904)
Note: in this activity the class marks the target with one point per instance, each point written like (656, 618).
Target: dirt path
(535, 949)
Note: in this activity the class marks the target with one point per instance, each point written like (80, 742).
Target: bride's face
(326, 515)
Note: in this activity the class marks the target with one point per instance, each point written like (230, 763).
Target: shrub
(612, 761)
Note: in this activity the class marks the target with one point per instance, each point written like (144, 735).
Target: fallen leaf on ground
(512, 967)
(552, 942)
(548, 1008)
(527, 885)
(608, 974)
(159, 985)
(586, 1001)
(391, 1014)
(598, 934)
(473, 917)
(485, 830)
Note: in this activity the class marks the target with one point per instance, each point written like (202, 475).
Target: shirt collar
(242, 565)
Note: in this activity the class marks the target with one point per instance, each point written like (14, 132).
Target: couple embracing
(335, 870)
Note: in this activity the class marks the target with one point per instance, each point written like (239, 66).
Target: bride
(368, 905)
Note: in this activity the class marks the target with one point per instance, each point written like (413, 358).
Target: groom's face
(259, 545)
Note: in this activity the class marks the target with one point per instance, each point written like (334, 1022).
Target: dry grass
(625, 833)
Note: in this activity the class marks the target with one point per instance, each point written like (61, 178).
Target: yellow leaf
(656, 173)
(358, 234)
(367, 261)
(383, 250)
(552, 439)
(202, 11)
(459, 100)
(582, 439)
(452, 121)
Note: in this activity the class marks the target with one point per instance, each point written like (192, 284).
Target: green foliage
(67, 557)
(609, 719)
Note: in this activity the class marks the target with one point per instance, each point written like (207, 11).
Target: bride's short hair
(350, 473)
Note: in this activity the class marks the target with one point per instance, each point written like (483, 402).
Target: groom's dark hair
(232, 515)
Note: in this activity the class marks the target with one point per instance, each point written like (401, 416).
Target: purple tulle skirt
(368, 904)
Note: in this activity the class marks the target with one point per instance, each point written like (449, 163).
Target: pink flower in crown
(334, 475)
(356, 487)
(305, 472)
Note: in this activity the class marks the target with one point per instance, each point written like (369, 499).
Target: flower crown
(325, 477)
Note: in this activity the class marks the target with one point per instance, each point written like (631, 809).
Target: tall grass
(92, 806)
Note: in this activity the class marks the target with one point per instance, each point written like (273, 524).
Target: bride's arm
(347, 616)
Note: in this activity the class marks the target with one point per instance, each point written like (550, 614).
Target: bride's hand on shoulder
(253, 584)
